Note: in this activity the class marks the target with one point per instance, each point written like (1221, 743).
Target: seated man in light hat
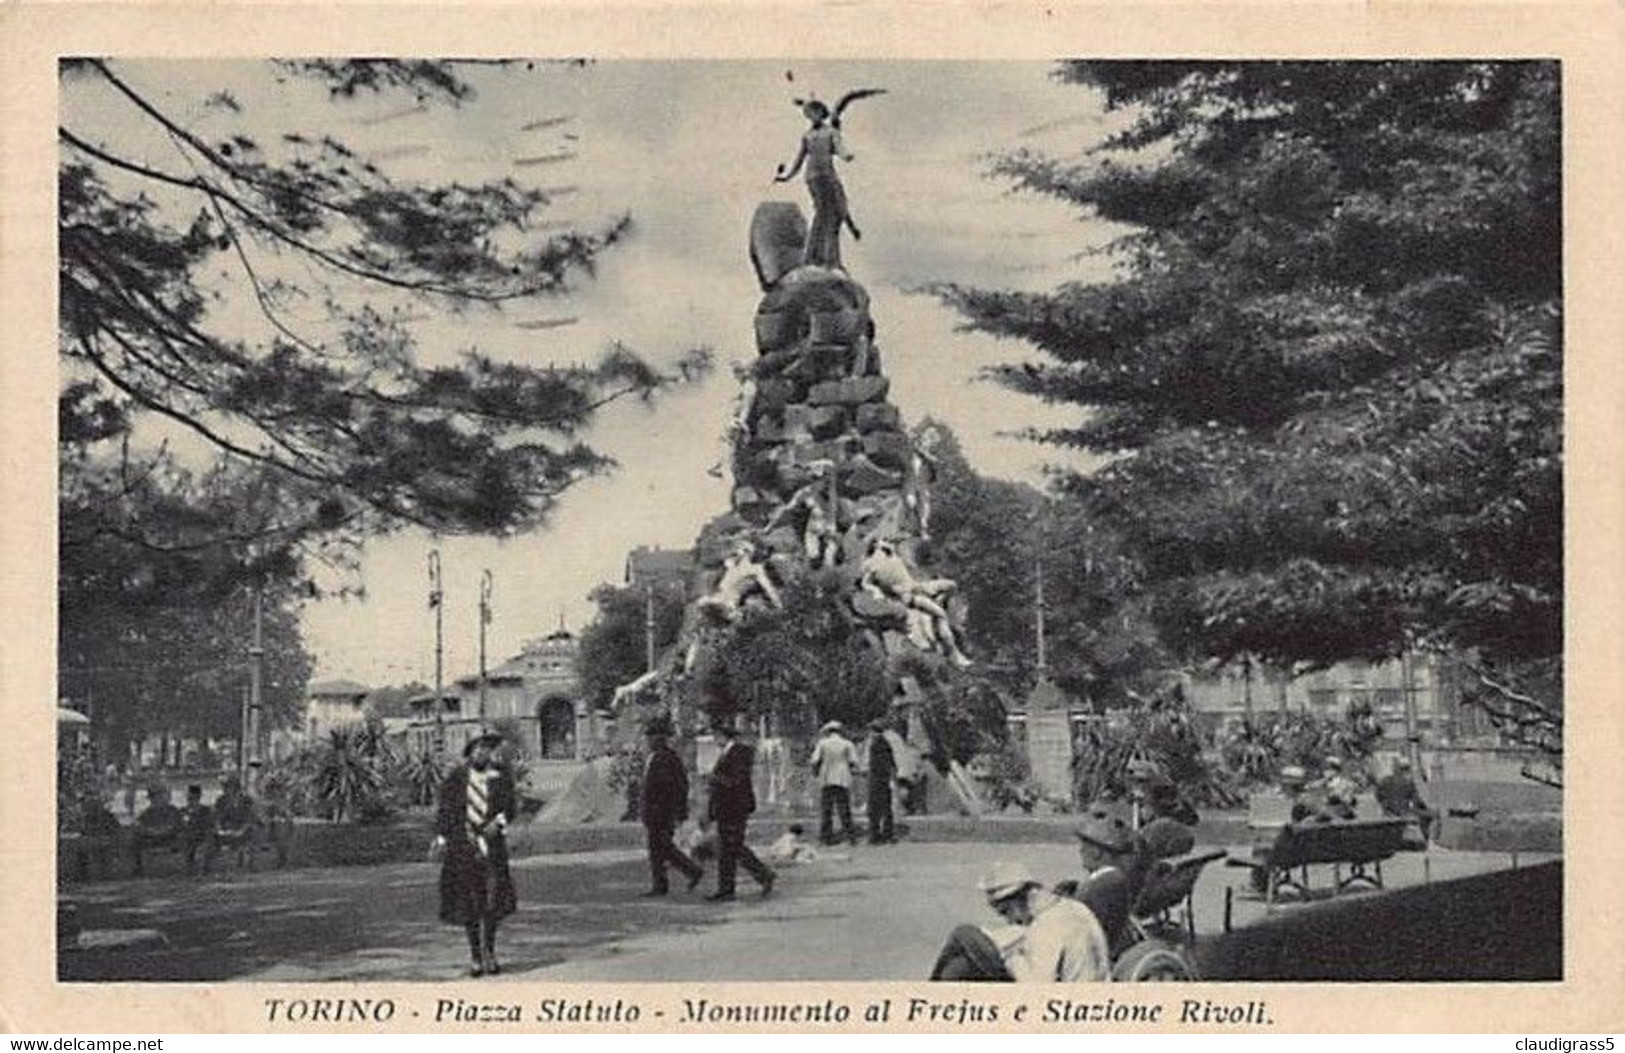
(1340, 789)
(1046, 938)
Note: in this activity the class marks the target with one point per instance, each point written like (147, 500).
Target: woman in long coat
(477, 802)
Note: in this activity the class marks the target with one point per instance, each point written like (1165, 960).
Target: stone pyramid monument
(826, 479)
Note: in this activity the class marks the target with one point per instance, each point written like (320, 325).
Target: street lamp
(436, 596)
(486, 584)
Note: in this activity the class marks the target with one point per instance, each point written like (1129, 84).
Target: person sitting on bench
(1341, 796)
(198, 829)
(1398, 795)
(158, 826)
(99, 830)
(1171, 830)
(1115, 873)
(236, 818)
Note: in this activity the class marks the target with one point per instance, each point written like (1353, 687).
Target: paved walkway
(860, 914)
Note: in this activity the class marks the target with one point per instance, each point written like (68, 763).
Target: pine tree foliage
(1330, 357)
(354, 431)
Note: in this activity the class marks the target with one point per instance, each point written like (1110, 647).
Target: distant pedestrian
(882, 775)
(663, 806)
(477, 802)
(833, 760)
(733, 800)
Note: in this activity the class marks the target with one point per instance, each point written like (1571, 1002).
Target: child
(790, 849)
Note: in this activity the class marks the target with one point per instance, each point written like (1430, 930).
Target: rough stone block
(863, 476)
(809, 288)
(889, 449)
(768, 429)
(849, 392)
(778, 237)
(844, 327)
(773, 394)
(777, 330)
(798, 423)
(827, 422)
(879, 416)
(826, 362)
(748, 497)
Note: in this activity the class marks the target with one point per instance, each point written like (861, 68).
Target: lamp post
(486, 585)
(256, 676)
(436, 598)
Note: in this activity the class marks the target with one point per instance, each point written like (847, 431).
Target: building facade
(535, 695)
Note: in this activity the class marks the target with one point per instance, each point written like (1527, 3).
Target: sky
(688, 149)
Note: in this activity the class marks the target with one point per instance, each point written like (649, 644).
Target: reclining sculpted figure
(886, 576)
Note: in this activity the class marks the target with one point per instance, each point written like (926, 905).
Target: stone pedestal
(1049, 751)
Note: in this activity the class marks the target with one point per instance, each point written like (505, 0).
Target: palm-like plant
(346, 775)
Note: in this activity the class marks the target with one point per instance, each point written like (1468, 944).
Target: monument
(826, 477)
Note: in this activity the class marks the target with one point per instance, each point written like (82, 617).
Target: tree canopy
(351, 429)
(243, 393)
(614, 646)
(1329, 361)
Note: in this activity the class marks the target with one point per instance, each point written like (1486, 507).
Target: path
(863, 914)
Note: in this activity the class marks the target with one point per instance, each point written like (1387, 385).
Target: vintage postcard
(804, 518)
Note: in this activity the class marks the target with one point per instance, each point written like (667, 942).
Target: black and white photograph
(630, 521)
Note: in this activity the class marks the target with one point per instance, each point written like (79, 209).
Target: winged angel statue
(820, 146)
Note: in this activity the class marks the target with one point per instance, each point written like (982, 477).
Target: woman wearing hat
(477, 802)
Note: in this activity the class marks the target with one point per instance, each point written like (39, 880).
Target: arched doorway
(556, 726)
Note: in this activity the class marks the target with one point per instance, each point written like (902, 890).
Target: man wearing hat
(1045, 938)
(833, 760)
(733, 800)
(1340, 789)
(1114, 873)
(477, 802)
(1294, 782)
(664, 806)
(882, 777)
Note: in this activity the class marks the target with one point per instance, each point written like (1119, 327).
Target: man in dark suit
(882, 774)
(1112, 883)
(664, 805)
(733, 799)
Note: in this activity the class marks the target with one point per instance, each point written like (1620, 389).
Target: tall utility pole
(1038, 620)
(256, 676)
(436, 603)
(649, 626)
(485, 620)
(1413, 737)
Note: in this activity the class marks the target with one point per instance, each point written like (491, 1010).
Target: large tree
(1329, 362)
(160, 249)
(991, 536)
(242, 389)
(615, 645)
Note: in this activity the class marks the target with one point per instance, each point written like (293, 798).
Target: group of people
(1335, 795)
(886, 762)
(1073, 931)
(198, 831)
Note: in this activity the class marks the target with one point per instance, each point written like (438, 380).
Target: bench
(1361, 845)
(1171, 883)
